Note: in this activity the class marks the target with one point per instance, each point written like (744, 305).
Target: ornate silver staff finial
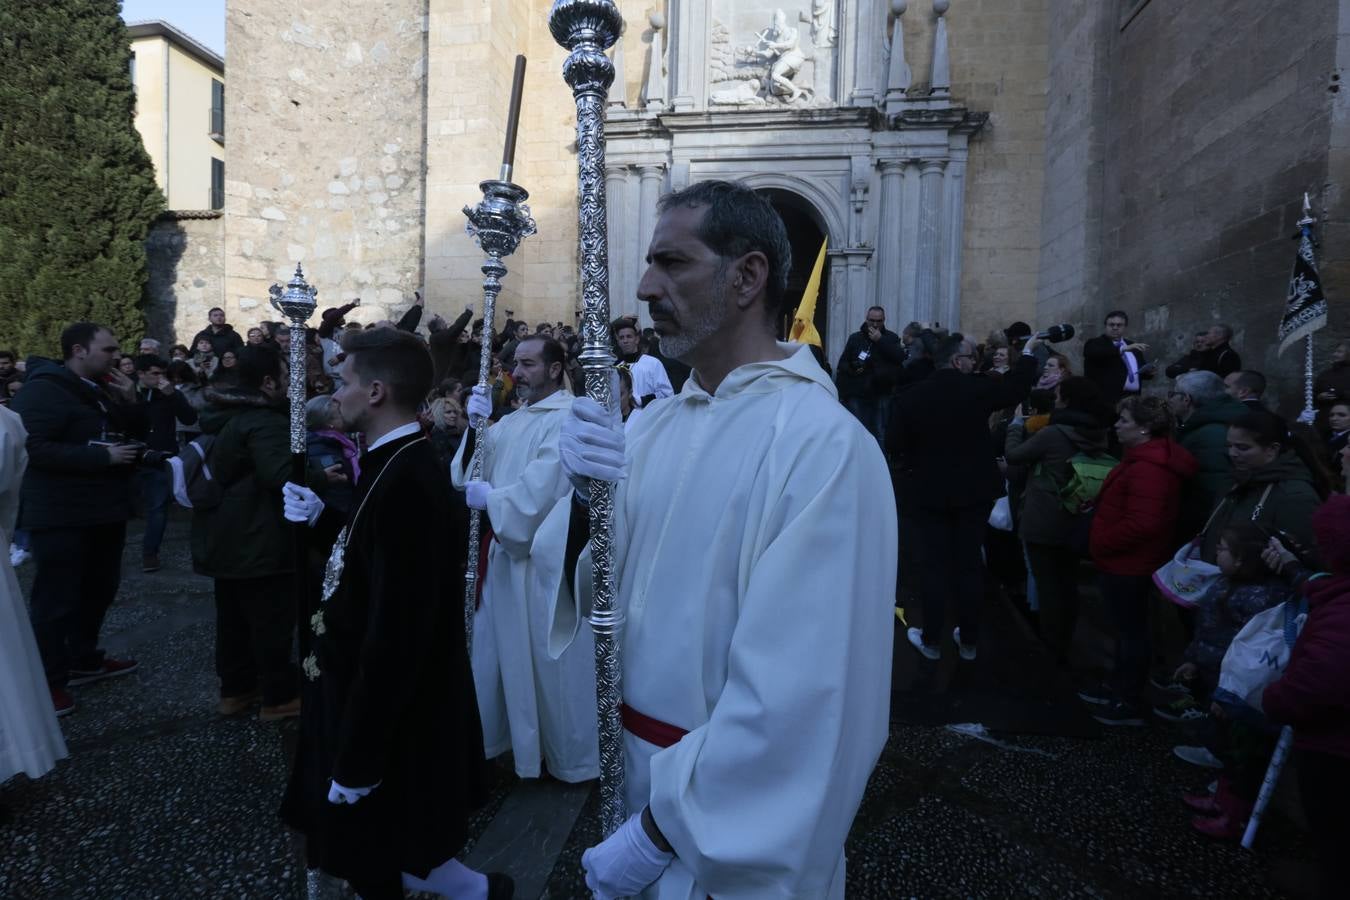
(297, 303)
(499, 222)
(588, 28)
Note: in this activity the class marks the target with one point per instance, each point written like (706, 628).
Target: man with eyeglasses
(948, 481)
(1114, 362)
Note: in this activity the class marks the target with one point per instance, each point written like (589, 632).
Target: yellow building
(180, 113)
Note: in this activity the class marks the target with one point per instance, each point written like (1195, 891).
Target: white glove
(338, 795)
(300, 504)
(476, 494)
(624, 863)
(591, 444)
(479, 406)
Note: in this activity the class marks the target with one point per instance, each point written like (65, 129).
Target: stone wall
(326, 152)
(185, 258)
(1216, 125)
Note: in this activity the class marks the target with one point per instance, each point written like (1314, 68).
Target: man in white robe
(755, 557)
(650, 380)
(541, 708)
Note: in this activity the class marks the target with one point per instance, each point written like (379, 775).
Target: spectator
(204, 360)
(148, 347)
(328, 447)
(8, 370)
(127, 366)
(1204, 410)
(228, 360)
(1313, 696)
(1000, 361)
(866, 374)
(255, 337)
(179, 352)
(1278, 481)
(446, 421)
(185, 382)
(948, 482)
(1114, 362)
(1246, 386)
(452, 353)
(1046, 527)
(164, 407)
(76, 501)
(1057, 368)
(1337, 433)
(1333, 382)
(1132, 535)
(1194, 360)
(650, 381)
(1220, 357)
(222, 336)
(243, 543)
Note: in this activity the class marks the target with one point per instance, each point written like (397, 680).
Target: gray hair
(739, 221)
(1203, 388)
(318, 412)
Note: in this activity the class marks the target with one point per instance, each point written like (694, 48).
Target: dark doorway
(805, 234)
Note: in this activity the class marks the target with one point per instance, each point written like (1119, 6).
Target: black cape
(394, 701)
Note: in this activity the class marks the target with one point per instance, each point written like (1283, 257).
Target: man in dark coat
(390, 761)
(80, 415)
(1113, 361)
(221, 335)
(948, 480)
(867, 371)
(164, 406)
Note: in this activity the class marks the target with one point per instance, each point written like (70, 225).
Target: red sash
(653, 731)
(484, 545)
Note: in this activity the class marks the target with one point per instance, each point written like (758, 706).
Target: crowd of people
(1014, 467)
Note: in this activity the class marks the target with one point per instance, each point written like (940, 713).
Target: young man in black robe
(390, 761)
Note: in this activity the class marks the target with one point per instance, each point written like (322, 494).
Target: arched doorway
(805, 234)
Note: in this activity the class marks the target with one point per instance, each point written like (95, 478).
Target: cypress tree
(77, 189)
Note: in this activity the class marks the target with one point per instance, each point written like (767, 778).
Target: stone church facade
(969, 162)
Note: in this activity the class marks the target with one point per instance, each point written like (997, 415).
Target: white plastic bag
(1260, 652)
(1000, 516)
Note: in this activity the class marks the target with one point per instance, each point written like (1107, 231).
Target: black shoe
(1120, 713)
(1098, 696)
(500, 886)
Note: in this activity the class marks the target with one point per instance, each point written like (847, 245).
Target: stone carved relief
(774, 66)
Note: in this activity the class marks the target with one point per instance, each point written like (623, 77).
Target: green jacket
(1288, 507)
(1205, 436)
(246, 536)
(1046, 456)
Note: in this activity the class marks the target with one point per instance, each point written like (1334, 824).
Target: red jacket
(1313, 695)
(1134, 529)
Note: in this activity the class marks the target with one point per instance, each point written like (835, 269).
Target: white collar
(394, 434)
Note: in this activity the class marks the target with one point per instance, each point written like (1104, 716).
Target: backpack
(1088, 473)
(194, 487)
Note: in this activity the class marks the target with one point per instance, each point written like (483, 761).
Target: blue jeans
(153, 486)
(873, 412)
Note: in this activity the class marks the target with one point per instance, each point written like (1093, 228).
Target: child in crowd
(1240, 739)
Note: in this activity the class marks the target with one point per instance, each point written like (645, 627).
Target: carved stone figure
(744, 93)
(780, 47)
(821, 20)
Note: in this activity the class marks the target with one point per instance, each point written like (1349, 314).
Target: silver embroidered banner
(588, 28)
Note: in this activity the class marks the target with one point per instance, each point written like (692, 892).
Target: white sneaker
(1197, 756)
(18, 556)
(967, 650)
(915, 636)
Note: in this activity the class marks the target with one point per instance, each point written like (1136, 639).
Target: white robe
(539, 707)
(30, 738)
(649, 377)
(755, 553)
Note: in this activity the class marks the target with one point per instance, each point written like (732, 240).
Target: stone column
(930, 222)
(953, 227)
(649, 193)
(890, 248)
(620, 254)
(909, 241)
(859, 291)
(837, 326)
(688, 55)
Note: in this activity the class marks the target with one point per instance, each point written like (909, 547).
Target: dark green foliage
(77, 190)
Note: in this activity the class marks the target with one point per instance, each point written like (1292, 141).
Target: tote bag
(1185, 578)
(1260, 652)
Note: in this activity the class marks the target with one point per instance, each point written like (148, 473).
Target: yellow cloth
(803, 322)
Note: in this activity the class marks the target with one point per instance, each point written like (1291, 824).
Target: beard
(701, 324)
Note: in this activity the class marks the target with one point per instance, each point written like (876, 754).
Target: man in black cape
(390, 761)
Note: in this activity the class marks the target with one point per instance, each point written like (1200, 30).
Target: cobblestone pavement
(161, 798)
